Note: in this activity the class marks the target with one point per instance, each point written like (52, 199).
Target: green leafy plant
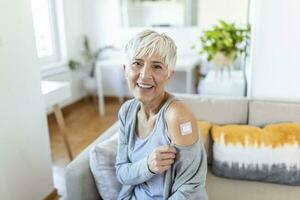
(88, 58)
(224, 38)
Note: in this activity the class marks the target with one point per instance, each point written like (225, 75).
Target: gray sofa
(81, 186)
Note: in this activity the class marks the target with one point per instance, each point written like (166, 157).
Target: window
(46, 30)
(159, 13)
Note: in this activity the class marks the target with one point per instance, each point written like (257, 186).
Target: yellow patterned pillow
(268, 154)
(284, 134)
(273, 135)
(234, 134)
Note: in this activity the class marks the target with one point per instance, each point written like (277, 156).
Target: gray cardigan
(184, 180)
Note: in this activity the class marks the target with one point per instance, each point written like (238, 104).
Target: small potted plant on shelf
(223, 43)
(87, 63)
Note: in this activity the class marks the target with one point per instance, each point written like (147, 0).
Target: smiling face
(147, 77)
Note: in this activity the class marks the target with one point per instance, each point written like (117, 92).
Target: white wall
(102, 21)
(275, 63)
(25, 161)
(210, 11)
(154, 13)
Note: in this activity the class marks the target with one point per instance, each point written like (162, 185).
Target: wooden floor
(84, 125)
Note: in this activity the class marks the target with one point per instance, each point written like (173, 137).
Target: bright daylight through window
(46, 30)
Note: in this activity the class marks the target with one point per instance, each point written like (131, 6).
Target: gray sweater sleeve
(189, 173)
(129, 173)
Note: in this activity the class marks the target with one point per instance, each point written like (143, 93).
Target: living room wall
(25, 160)
(274, 65)
(210, 11)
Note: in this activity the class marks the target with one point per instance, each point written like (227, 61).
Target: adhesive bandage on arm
(186, 128)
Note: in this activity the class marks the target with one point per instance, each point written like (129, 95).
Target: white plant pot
(222, 61)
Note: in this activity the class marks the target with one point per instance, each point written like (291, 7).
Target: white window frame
(54, 33)
(57, 61)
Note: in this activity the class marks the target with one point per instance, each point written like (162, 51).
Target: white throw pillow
(102, 164)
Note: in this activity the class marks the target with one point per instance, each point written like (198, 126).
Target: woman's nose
(146, 72)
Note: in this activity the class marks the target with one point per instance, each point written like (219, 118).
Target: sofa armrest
(80, 183)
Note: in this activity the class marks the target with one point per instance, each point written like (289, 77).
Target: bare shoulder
(181, 124)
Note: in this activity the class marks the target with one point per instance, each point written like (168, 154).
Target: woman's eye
(157, 67)
(137, 63)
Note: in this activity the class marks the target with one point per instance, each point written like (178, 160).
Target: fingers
(162, 166)
(161, 158)
(166, 149)
(167, 162)
(164, 156)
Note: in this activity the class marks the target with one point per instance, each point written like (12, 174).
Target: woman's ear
(171, 74)
(125, 71)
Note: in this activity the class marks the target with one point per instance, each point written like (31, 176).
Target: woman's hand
(161, 159)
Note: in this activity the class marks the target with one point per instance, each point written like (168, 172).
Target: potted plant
(223, 43)
(87, 63)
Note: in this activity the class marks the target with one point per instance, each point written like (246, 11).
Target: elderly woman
(160, 154)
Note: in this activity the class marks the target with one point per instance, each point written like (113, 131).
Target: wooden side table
(54, 93)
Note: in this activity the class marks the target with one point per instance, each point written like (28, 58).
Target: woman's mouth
(145, 86)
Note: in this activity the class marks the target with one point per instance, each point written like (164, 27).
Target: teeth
(145, 86)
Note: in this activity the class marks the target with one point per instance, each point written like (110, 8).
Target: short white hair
(148, 42)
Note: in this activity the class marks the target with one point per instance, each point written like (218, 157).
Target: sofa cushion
(102, 165)
(218, 110)
(265, 112)
(270, 154)
(232, 189)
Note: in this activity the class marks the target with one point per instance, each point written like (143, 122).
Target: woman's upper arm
(122, 141)
(181, 124)
(122, 116)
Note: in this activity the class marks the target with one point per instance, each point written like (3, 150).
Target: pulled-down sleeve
(189, 173)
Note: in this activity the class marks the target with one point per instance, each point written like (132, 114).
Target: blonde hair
(148, 42)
